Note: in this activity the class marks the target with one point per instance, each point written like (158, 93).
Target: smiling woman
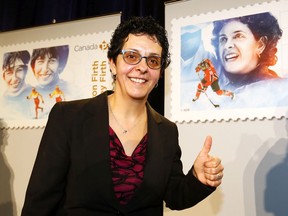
(99, 156)
(246, 47)
(14, 72)
(48, 63)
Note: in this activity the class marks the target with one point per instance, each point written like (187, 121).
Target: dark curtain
(19, 14)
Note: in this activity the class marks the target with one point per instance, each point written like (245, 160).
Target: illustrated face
(137, 81)
(14, 76)
(46, 70)
(238, 48)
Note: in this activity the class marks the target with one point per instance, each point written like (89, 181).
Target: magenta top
(127, 171)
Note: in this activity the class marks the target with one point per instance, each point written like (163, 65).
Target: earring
(156, 85)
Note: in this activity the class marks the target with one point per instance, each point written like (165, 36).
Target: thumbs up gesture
(208, 169)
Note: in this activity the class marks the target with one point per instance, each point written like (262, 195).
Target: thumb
(207, 146)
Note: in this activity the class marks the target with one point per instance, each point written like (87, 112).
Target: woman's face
(136, 81)
(14, 76)
(46, 70)
(238, 48)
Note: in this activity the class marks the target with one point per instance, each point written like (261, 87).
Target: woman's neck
(127, 115)
(126, 105)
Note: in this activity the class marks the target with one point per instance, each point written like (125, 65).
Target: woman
(13, 101)
(47, 64)
(14, 72)
(113, 154)
(246, 47)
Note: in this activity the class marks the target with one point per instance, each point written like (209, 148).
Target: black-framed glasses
(133, 58)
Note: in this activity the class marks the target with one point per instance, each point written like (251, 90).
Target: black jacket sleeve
(46, 187)
(183, 191)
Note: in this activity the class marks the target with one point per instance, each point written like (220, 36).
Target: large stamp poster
(39, 73)
(230, 64)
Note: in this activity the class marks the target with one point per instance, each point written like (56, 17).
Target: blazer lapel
(96, 141)
(152, 178)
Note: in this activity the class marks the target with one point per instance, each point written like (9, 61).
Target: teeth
(138, 80)
(230, 56)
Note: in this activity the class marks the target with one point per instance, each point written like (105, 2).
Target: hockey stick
(215, 105)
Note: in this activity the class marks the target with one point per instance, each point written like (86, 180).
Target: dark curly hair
(262, 24)
(139, 26)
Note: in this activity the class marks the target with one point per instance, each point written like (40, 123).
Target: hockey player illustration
(210, 79)
(36, 95)
(58, 94)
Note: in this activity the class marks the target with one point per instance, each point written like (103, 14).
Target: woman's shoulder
(159, 118)
(85, 105)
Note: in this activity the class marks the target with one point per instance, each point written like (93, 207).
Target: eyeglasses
(133, 58)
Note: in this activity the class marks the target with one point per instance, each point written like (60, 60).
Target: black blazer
(72, 176)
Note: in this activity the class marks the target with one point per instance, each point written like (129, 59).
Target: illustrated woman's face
(46, 69)
(14, 76)
(238, 48)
